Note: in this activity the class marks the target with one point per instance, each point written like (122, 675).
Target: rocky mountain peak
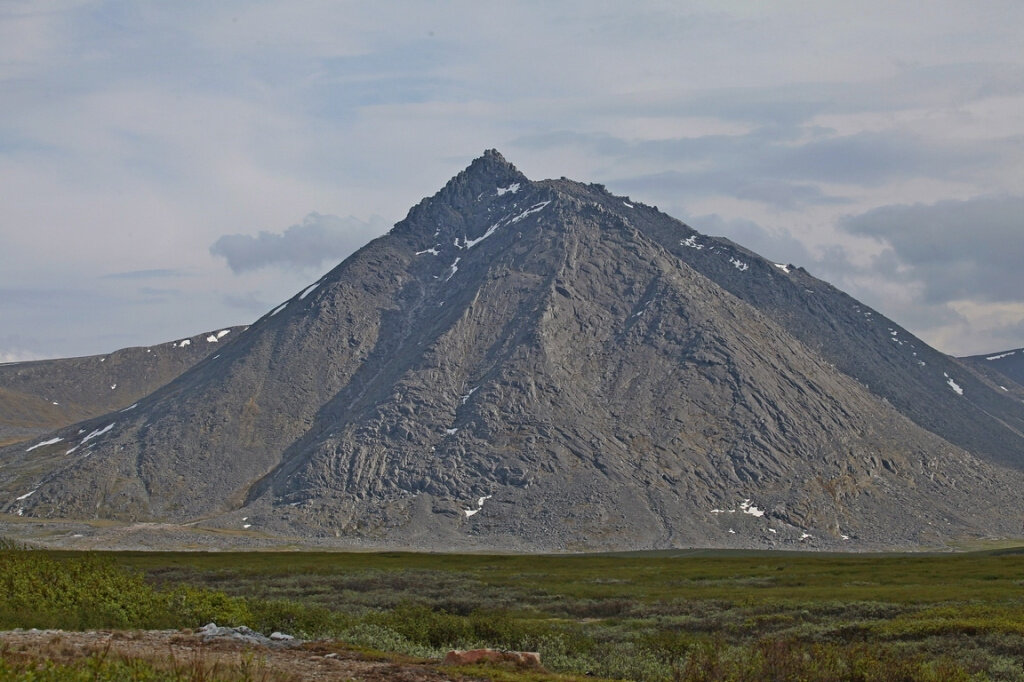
(548, 366)
(486, 174)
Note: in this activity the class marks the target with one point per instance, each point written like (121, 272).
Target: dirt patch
(186, 651)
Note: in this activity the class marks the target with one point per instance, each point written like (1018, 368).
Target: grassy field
(688, 616)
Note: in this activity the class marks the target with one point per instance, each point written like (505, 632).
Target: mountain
(40, 396)
(1007, 364)
(547, 366)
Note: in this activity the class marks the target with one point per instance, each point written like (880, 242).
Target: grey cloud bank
(318, 239)
(957, 249)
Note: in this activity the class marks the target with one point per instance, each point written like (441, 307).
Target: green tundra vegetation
(704, 616)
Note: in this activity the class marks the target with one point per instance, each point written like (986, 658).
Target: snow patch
(130, 407)
(772, 530)
(470, 243)
(432, 251)
(71, 450)
(184, 342)
(455, 268)
(246, 525)
(1002, 387)
(747, 508)
(1001, 355)
(738, 264)
(953, 385)
(308, 290)
(628, 205)
(211, 339)
(97, 433)
(45, 442)
(511, 189)
(533, 209)
(805, 535)
(465, 398)
(278, 309)
(783, 267)
(113, 386)
(691, 242)
(451, 432)
(25, 496)
(732, 531)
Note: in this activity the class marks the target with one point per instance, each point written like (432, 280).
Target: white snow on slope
(45, 442)
(97, 433)
(470, 243)
(511, 189)
(211, 339)
(432, 251)
(1001, 355)
(308, 290)
(691, 242)
(25, 496)
(782, 266)
(465, 398)
(532, 209)
(479, 506)
(627, 204)
(738, 264)
(749, 508)
(953, 385)
(455, 268)
(451, 432)
(278, 309)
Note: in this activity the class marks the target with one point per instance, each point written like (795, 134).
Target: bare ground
(187, 652)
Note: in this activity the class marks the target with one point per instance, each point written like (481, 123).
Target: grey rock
(527, 365)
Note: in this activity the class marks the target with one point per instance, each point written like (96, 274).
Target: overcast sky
(168, 168)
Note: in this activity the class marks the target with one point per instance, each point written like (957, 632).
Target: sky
(173, 168)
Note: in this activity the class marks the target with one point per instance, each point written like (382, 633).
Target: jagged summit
(546, 365)
(464, 200)
(487, 173)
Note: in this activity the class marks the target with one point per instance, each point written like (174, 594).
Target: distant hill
(1008, 363)
(43, 395)
(547, 366)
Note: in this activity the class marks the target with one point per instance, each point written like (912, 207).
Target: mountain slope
(42, 395)
(1007, 364)
(541, 365)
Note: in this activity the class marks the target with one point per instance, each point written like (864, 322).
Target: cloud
(158, 273)
(782, 167)
(957, 250)
(779, 246)
(317, 239)
(249, 302)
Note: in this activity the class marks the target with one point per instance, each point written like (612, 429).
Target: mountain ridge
(546, 366)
